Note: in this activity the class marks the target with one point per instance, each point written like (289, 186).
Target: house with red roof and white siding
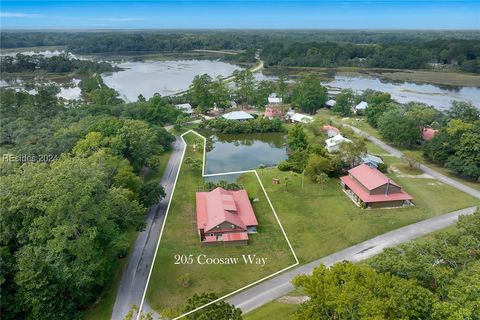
(225, 217)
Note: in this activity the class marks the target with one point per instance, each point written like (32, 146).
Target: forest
(74, 185)
(379, 49)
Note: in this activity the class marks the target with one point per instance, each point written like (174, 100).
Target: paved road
(134, 279)
(437, 175)
(280, 285)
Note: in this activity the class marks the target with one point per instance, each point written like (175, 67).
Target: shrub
(185, 280)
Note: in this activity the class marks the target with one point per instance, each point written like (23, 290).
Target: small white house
(361, 106)
(238, 115)
(185, 107)
(303, 118)
(274, 99)
(333, 144)
(331, 103)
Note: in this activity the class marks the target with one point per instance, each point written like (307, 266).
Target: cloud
(19, 15)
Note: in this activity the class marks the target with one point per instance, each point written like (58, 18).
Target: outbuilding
(238, 115)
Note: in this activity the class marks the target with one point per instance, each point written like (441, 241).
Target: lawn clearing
(276, 310)
(180, 237)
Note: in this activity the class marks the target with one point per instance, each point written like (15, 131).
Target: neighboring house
(185, 107)
(428, 133)
(330, 130)
(272, 111)
(289, 114)
(303, 118)
(369, 187)
(331, 103)
(238, 115)
(333, 144)
(274, 99)
(371, 160)
(225, 217)
(361, 106)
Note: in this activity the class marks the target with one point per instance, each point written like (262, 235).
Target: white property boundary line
(168, 210)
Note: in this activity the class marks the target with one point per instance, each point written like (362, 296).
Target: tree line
(453, 53)
(382, 49)
(56, 64)
(66, 219)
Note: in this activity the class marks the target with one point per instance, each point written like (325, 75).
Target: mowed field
(180, 237)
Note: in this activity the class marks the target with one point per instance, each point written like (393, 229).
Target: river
(404, 92)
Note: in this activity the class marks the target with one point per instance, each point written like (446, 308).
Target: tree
(463, 111)
(353, 152)
(412, 159)
(321, 179)
(245, 86)
(309, 94)
(202, 96)
(395, 127)
(297, 139)
(349, 291)
(378, 103)
(151, 193)
(282, 87)
(345, 102)
(317, 165)
(422, 114)
(216, 311)
(61, 221)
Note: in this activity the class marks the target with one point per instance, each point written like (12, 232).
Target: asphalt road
(437, 175)
(280, 285)
(134, 279)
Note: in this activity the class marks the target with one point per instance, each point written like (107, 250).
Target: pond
(163, 77)
(404, 92)
(227, 153)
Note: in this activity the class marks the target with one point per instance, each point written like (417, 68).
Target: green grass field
(180, 237)
(272, 310)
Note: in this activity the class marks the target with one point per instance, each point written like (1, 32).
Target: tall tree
(309, 94)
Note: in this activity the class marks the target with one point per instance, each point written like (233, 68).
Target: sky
(239, 14)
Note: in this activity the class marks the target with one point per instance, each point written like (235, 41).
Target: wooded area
(67, 211)
(380, 49)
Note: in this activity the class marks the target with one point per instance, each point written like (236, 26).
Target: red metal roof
(369, 177)
(327, 127)
(428, 133)
(237, 236)
(219, 206)
(368, 198)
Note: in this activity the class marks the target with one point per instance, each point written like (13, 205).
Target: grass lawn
(282, 311)
(322, 220)
(180, 237)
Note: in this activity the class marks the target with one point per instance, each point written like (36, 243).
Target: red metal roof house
(225, 217)
(428, 133)
(368, 186)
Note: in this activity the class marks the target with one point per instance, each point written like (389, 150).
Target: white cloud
(19, 15)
